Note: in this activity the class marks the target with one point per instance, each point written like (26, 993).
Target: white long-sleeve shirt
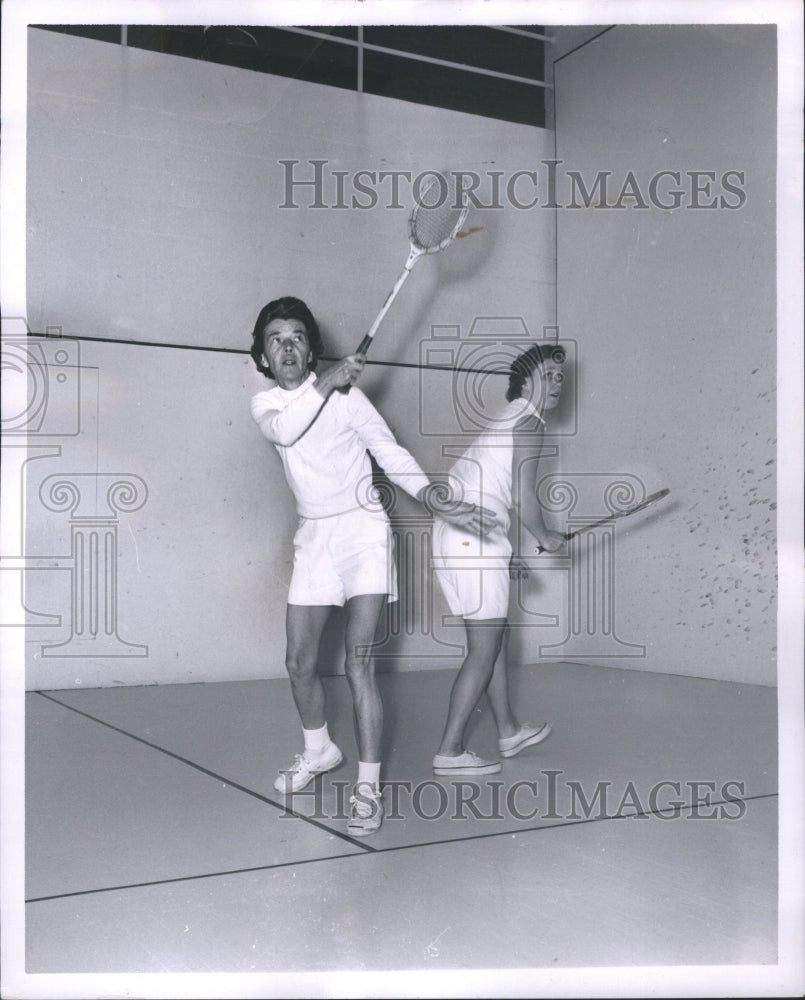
(323, 446)
(483, 473)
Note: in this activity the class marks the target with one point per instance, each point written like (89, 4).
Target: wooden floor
(155, 842)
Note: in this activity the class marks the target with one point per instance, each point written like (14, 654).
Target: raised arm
(286, 426)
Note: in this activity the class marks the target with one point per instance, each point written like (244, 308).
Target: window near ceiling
(496, 71)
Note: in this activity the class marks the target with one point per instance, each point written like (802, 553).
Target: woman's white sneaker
(466, 763)
(528, 736)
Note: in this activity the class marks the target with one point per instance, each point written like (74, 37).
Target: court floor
(643, 832)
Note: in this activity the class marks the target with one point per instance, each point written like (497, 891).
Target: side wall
(674, 312)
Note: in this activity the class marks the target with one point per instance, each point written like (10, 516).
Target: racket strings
(437, 216)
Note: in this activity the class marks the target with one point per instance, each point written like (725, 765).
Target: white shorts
(473, 572)
(339, 557)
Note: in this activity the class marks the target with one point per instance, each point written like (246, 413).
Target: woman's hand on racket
(551, 541)
(342, 374)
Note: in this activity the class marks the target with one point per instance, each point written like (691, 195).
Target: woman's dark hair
(285, 308)
(527, 362)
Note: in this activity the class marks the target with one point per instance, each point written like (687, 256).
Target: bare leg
(362, 615)
(498, 693)
(484, 639)
(304, 625)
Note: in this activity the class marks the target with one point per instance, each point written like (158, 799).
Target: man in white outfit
(474, 572)
(323, 430)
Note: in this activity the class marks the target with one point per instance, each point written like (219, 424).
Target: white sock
(316, 740)
(369, 774)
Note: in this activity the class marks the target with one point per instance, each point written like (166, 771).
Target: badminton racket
(654, 498)
(437, 217)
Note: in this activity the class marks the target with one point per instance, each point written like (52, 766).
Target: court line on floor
(212, 774)
(183, 878)
(366, 848)
(381, 851)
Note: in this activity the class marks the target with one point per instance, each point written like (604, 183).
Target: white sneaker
(305, 767)
(366, 811)
(528, 736)
(466, 763)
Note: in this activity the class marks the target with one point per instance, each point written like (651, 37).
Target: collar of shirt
(293, 393)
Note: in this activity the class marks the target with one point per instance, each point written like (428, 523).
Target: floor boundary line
(213, 774)
(363, 848)
(377, 851)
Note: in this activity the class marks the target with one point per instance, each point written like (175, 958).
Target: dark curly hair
(287, 307)
(528, 362)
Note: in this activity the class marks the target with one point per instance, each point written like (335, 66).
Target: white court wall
(675, 315)
(154, 224)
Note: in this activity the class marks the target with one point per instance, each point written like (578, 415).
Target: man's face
(287, 350)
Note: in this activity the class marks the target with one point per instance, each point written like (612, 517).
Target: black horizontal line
(245, 353)
(136, 343)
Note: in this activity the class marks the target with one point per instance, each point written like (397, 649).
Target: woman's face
(287, 349)
(544, 386)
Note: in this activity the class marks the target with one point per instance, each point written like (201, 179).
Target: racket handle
(567, 535)
(363, 347)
